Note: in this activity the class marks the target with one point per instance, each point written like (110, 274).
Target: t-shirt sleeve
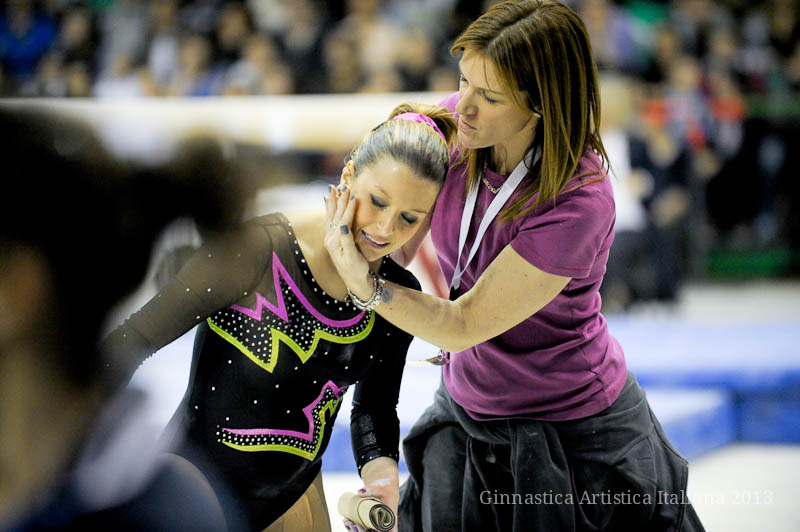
(566, 239)
(214, 277)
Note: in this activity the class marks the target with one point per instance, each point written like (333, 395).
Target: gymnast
(279, 339)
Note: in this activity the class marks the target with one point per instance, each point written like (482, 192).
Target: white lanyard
(499, 200)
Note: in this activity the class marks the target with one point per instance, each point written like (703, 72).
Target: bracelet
(377, 292)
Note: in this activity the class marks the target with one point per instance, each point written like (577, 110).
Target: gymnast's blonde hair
(416, 144)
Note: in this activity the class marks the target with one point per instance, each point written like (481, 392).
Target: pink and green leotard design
(305, 445)
(257, 333)
(293, 321)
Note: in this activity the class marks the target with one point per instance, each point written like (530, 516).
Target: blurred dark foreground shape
(77, 228)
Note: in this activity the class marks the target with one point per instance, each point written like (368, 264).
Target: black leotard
(273, 356)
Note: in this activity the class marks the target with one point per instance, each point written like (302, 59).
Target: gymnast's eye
(410, 219)
(377, 201)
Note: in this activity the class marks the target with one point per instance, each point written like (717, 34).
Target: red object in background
(655, 112)
(426, 267)
(728, 108)
(696, 137)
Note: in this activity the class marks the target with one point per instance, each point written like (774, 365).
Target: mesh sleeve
(215, 276)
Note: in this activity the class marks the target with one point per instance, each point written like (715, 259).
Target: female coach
(536, 402)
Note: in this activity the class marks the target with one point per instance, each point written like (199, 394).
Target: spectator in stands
(417, 58)
(302, 39)
(233, 29)
(200, 16)
(68, 68)
(616, 34)
(78, 37)
(440, 79)
(383, 81)
(260, 70)
(666, 49)
(758, 60)
(79, 80)
(342, 72)
(784, 27)
(196, 75)
(50, 79)
(688, 113)
(163, 42)
(695, 20)
(124, 78)
(123, 34)
(651, 177)
(374, 37)
(26, 34)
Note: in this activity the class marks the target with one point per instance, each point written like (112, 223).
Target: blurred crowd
(701, 113)
(119, 48)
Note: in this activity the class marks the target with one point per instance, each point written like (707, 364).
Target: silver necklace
(488, 185)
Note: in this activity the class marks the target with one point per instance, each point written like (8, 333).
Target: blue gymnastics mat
(695, 420)
(758, 364)
(744, 357)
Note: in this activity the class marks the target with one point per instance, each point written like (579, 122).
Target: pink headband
(419, 117)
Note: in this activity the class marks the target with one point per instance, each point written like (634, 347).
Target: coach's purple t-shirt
(561, 363)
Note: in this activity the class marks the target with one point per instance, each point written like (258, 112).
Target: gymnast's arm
(217, 275)
(374, 425)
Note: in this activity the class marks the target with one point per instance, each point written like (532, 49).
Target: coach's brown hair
(541, 49)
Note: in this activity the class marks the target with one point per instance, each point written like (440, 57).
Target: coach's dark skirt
(613, 471)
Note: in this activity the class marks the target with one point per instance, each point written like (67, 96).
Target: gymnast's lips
(372, 241)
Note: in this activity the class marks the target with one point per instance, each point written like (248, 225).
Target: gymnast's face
(391, 204)
(487, 114)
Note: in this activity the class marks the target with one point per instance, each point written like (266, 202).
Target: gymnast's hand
(387, 494)
(381, 481)
(353, 268)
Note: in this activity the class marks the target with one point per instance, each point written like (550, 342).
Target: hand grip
(368, 512)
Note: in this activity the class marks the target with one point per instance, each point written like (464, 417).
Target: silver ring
(344, 229)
